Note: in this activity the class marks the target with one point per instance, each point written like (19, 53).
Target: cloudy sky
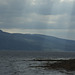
(48, 17)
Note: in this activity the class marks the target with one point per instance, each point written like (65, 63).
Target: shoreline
(68, 65)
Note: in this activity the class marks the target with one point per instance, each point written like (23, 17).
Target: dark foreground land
(67, 64)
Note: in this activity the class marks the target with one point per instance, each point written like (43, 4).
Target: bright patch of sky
(33, 2)
(61, 0)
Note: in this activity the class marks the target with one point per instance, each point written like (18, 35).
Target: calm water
(17, 62)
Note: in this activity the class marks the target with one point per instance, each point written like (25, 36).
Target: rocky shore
(67, 64)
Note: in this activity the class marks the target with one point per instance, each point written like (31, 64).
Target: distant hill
(35, 42)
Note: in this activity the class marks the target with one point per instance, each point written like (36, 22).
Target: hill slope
(34, 42)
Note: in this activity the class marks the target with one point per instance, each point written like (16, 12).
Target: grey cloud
(44, 7)
(53, 7)
(22, 8)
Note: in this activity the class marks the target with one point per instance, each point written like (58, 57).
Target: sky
(48, 17)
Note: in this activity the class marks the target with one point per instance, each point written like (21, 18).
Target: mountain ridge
(18, 41)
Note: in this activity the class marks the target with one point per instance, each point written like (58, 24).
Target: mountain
(35, 42)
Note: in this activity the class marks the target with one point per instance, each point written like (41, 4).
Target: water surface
(17, 62)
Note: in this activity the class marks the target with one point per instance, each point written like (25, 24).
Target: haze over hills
(35, 42)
